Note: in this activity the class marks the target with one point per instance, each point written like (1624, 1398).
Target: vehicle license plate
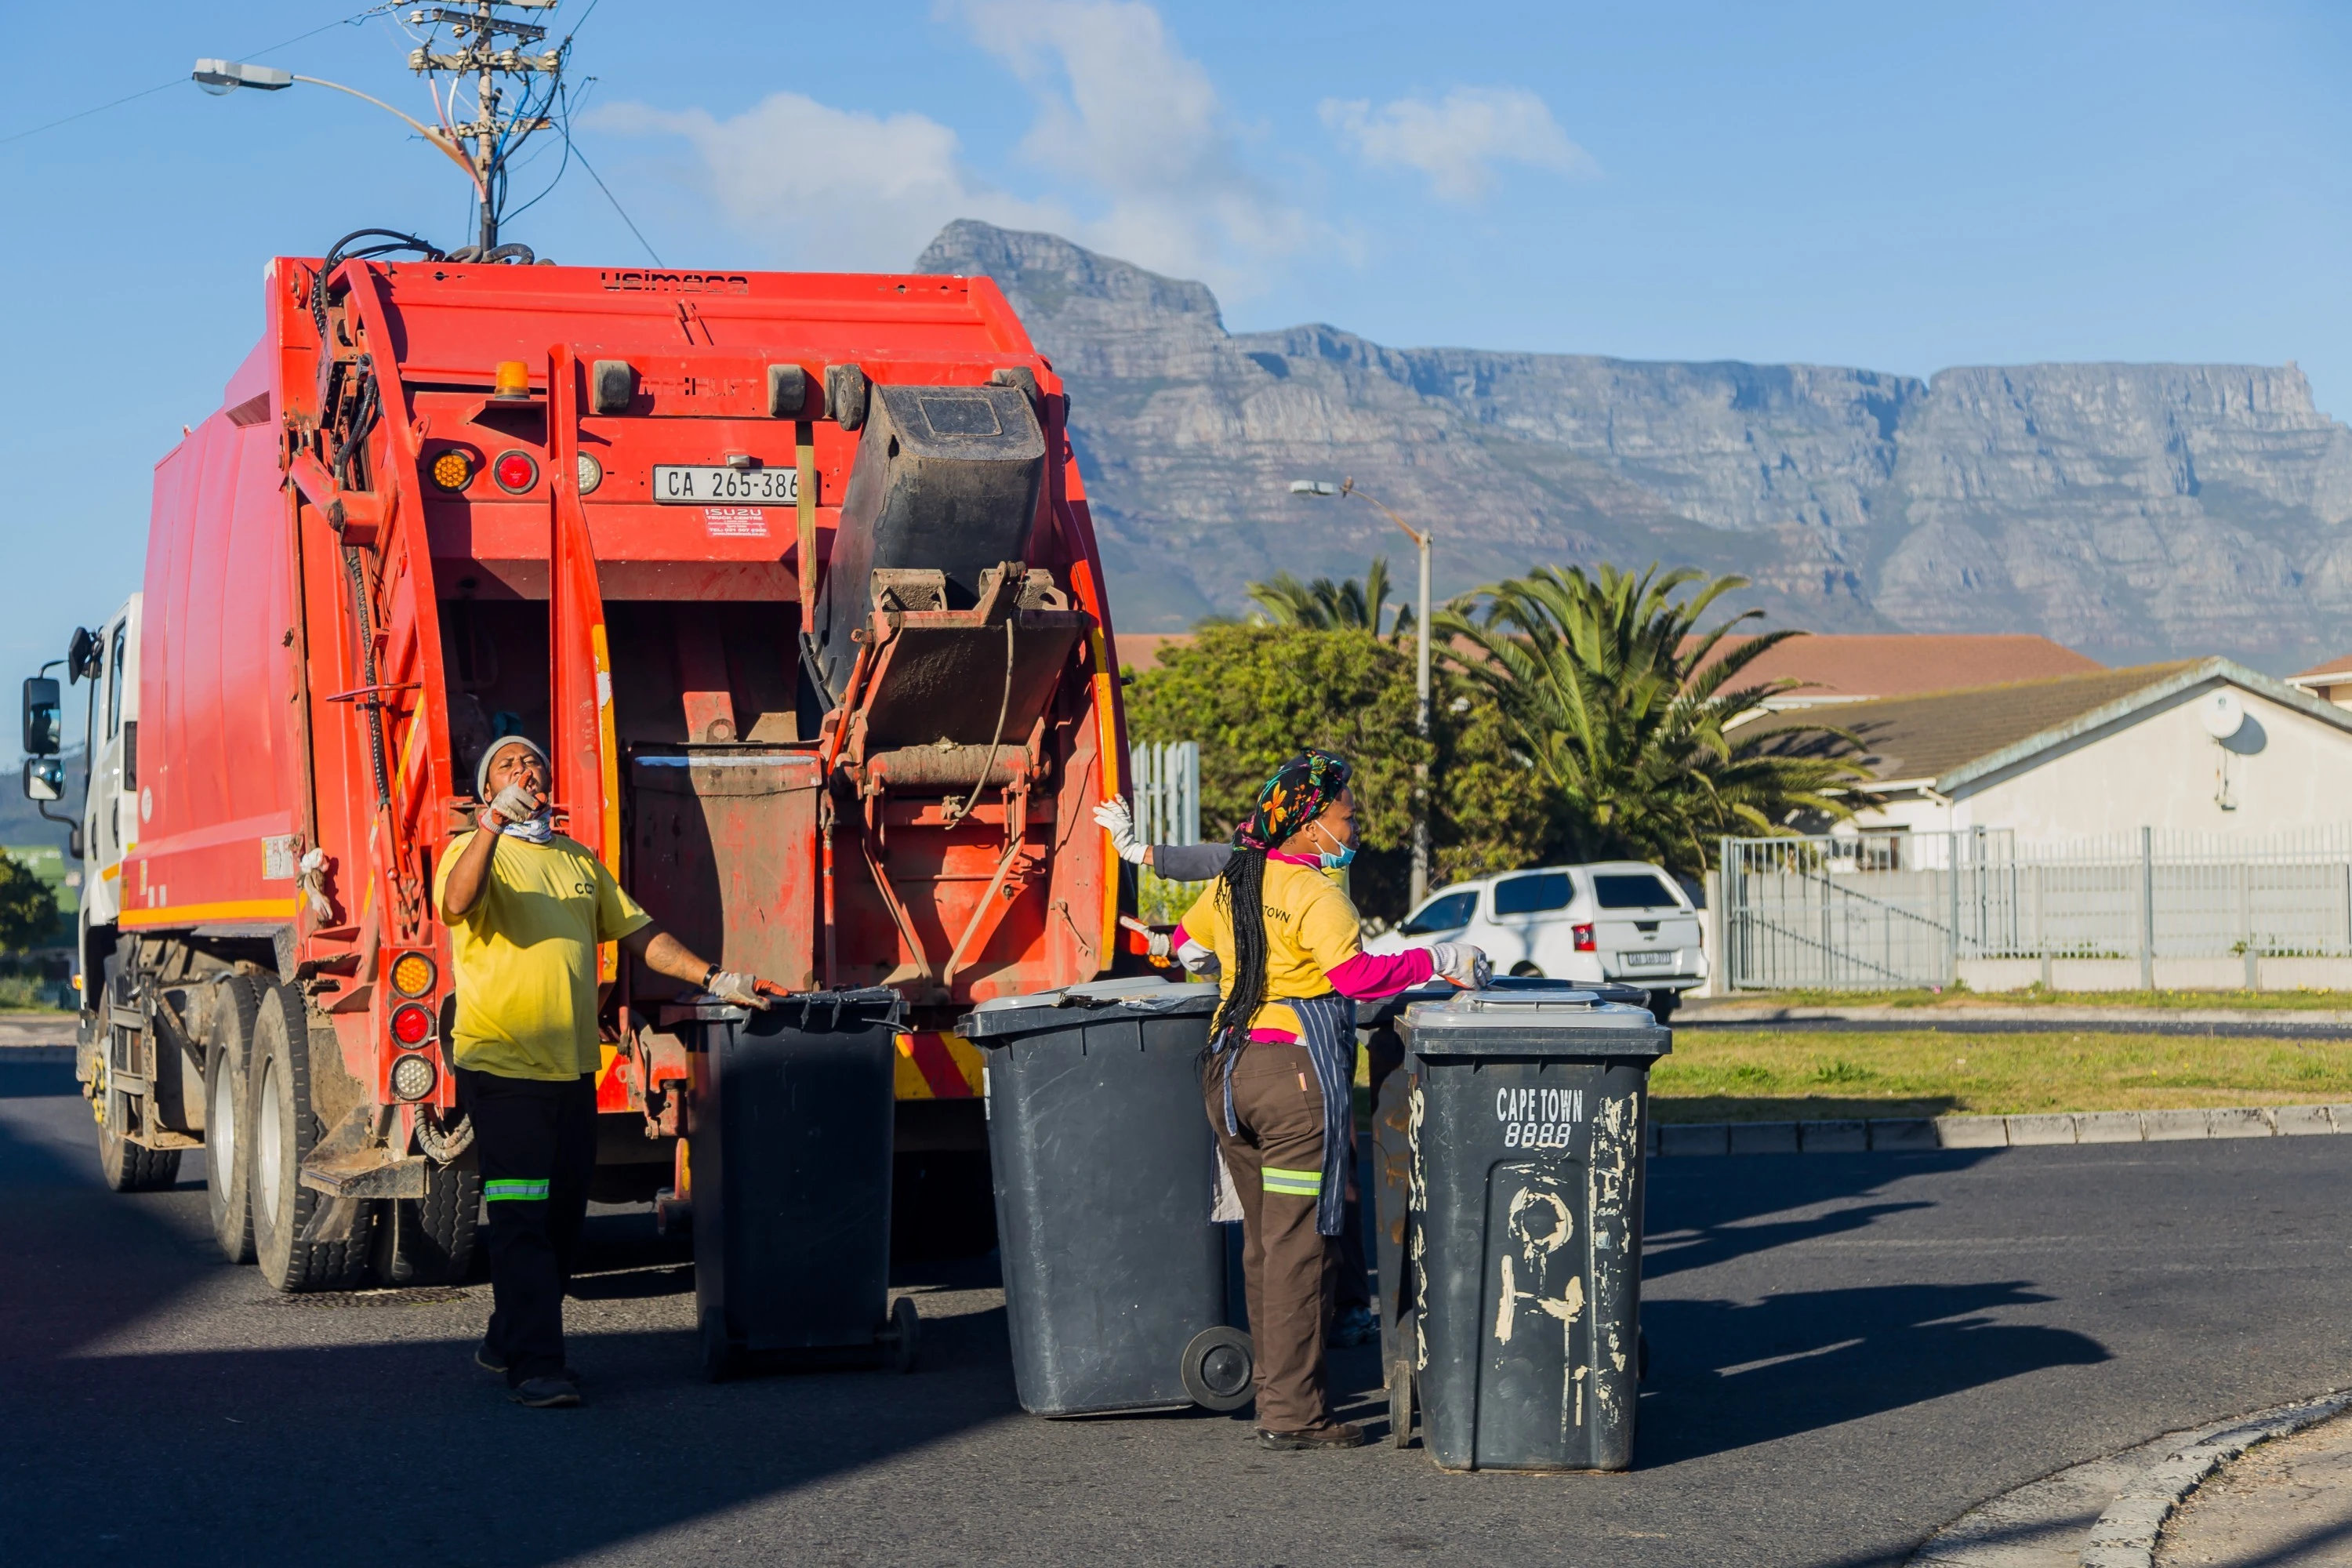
(1647, 960)
(700, 484)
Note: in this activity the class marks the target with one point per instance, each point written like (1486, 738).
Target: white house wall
(2286, 771)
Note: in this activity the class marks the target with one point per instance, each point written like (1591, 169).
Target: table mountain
(2129, 510)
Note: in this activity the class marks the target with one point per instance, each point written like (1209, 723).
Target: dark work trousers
(537, 1143)
(1277, 1161)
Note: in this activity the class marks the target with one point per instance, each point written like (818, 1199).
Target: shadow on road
(1703, 1212)
(1726, 1375)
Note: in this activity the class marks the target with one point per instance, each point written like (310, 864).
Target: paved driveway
(1847, 1351)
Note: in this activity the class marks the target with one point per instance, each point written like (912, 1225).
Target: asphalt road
(1847, 1352)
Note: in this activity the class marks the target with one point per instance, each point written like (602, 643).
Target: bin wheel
(718, 1353)
(1400, 1405)
(902, 1340)
(1220, 1369)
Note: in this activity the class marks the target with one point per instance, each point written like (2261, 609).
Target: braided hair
(1296, 795)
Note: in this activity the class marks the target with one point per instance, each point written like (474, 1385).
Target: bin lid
(1532, 1021)
(1001, 1017)
(1373, 1015)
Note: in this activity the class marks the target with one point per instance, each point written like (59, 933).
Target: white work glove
(742, 990)
(1160, 945)
(1200, 963)
(514, 806)
(1467, 967)
(1116, 819)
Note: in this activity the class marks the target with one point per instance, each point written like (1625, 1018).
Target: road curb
(2127, 1532)
(2283, 1019)
(1919, 1133)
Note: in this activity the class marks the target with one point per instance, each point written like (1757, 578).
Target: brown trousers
(1279, 1110)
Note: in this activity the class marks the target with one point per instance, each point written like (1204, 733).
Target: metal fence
(1903, 910)
(1166, 791)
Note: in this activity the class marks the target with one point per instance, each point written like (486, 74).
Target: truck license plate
(1647, 960)
(700, 484)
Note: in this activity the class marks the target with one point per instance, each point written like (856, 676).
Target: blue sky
(1900, 187)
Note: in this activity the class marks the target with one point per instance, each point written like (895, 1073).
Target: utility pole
(1419, 537)
(476, 28)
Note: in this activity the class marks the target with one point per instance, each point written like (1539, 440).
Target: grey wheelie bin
(789, 1149)
(1526, 1110)
(1106, 1175)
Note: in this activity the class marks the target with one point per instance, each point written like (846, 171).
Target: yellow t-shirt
(1310, 929)
(525, 957)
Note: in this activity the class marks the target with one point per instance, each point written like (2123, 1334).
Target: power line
(616, 203)
(253, 54)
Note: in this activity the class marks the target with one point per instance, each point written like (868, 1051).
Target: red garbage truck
(792, 574)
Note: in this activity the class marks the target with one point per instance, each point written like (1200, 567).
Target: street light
(221, 78)
(1419, 537)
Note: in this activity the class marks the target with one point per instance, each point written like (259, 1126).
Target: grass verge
(2035, 996)
(27, 994)
(1755, 1075)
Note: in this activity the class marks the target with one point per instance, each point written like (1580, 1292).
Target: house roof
(1953, 738)
(2331, 672)
(1841, 669)
(1139, 651)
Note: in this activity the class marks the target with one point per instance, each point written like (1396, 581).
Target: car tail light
(515, 471)
(453, 470)
(411, 1024)
(413, 1077)
(413, 974)
(1583, 933)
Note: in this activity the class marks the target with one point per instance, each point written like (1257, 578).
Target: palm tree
(1323, 606)
(1623, 708)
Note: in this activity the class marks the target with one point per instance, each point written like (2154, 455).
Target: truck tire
(228, 1076)
(430, 1240)
(280, 1131)
(131, 1167)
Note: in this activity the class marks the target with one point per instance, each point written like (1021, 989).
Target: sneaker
(1356, 1326)
(546, 1393)
(489, 1359)
(1336, 1436)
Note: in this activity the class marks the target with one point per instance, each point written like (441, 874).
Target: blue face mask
(1334, 860)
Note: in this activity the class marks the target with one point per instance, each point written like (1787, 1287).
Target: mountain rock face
(2132, 512)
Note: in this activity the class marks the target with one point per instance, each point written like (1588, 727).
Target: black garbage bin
(1525, 1110)
(1106, 1176)
(789, 1151)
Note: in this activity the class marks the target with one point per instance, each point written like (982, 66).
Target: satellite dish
(2223, 712)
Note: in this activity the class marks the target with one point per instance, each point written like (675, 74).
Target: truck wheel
(228, 1164)
(1663, 1003)
(280, 1132)
(430, 1240)
(131, 1167)
(1527, 971)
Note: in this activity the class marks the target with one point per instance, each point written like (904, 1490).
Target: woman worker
(1281, 1060)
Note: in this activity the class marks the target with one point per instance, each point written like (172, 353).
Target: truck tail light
(453, 470)
(1583, 933)
(413, 1077)
(515, 471)
(411, 1024)
(413, 974)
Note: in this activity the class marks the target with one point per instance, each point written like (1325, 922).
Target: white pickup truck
(1621, 920)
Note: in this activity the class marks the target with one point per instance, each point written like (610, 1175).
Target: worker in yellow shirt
(1278, 1078)
(525, 908)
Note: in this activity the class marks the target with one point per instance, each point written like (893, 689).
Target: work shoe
(1336, 1436)
(1354, 1327)
(548, 1393)
(489, 1358)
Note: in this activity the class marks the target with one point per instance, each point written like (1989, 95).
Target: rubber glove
(742, 990)
(1116, 819)
(1199, 962)
(1467, 967)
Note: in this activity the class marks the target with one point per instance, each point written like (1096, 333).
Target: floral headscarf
(1296, 795)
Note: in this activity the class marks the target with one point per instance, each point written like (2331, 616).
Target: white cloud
(834, 187)
(1457, 142)
(1129, 127)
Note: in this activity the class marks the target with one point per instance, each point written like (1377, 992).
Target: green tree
(1323, 606)
(1252, 695)
(1625, 710)
(28, 910)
